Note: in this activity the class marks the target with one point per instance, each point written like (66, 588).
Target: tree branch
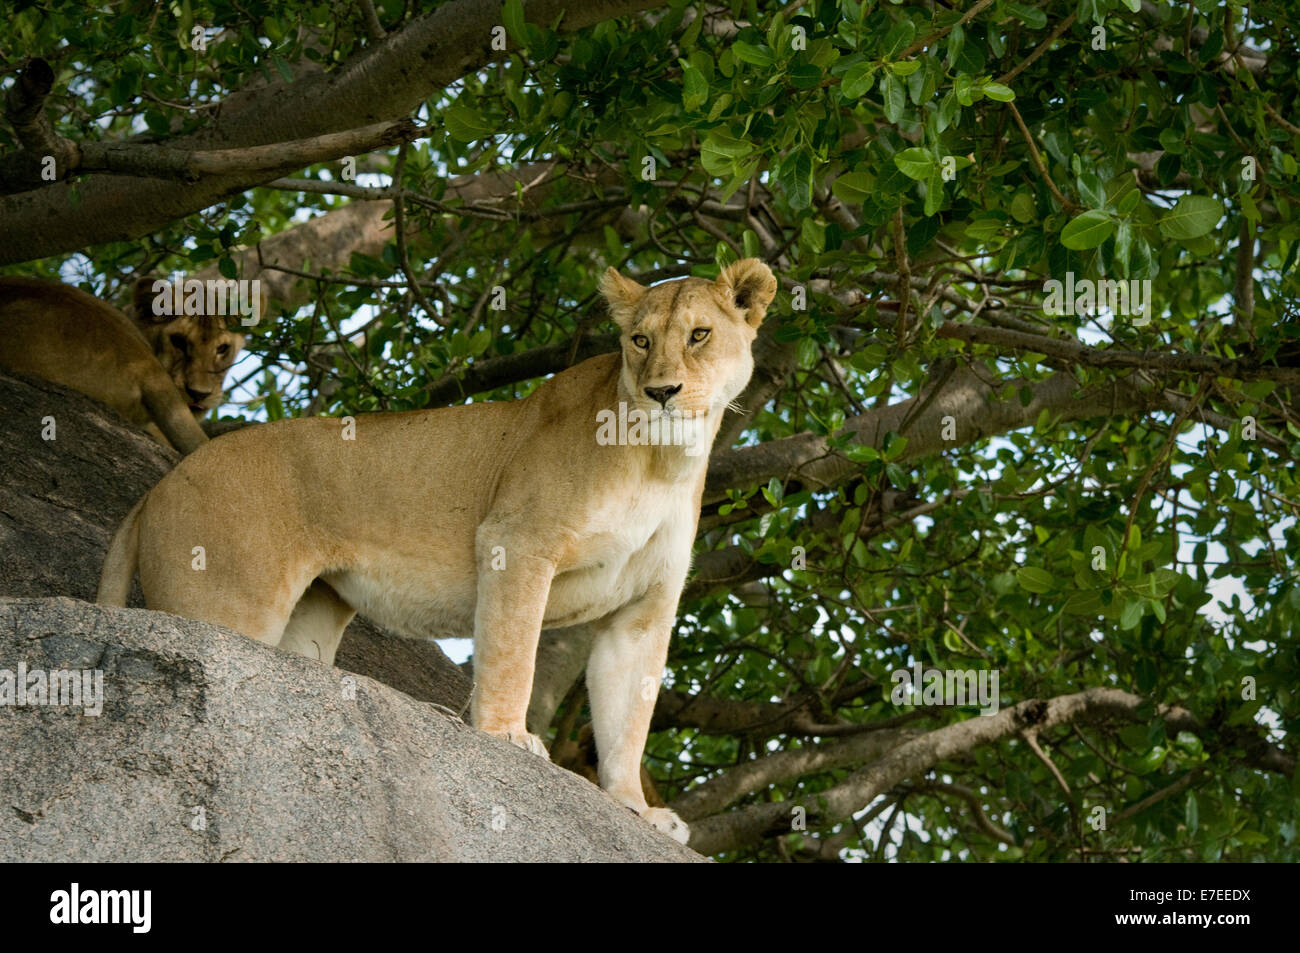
(724, 789)
(189, 165)
(916, 756)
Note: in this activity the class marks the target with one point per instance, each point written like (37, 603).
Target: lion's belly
(422, 604)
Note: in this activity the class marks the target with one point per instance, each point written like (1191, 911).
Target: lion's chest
(622, 553)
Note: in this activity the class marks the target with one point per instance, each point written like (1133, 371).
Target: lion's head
(196, 349)
(686, 343)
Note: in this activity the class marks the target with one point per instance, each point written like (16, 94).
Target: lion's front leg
(511, 603)
(623, 673)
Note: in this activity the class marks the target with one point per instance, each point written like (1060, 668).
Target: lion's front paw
(527, 741)
(669, 823)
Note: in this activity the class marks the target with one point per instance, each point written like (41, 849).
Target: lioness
(160, 374)
(500, 517)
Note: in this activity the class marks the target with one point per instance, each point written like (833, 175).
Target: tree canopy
(1026, 403)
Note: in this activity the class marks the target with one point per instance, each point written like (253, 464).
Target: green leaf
(754, 55)
(956, 38)
(1191, 217)
(1031, 17)
(895, 97)
(1033, 579)
(720, 151)
(806, 76)
(1192, 813)
(1131, 615)
(853, 188)
(695, 88)
(858, 80)
(1171, 140)
(1002, 94)
(961, 88)
(1087, 230)
(1023, 208)
(952, 642)
(125, 86)
(949, 109)
(728, 145)
(898, 38)
(515, 23)
(1152, 760)
(160, 125)
(1158, 584)
(465, 124)
(795, 178)
(283, 68)
(1084, 602)
(915, 163)
(933, 193)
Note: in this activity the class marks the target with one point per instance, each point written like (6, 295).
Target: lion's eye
(699, 334)
(223, 349)
(180, 342)
(641, 341)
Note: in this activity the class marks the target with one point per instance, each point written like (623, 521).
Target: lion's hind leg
(315, 627)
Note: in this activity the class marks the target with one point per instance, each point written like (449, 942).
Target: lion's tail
(121, 561)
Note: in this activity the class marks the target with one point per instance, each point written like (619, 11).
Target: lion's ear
(622, 295)
(145, 293)
(751, 286)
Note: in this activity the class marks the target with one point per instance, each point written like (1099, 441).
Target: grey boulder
(213, 747)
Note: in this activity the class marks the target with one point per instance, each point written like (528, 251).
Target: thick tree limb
(499, 371)
(972, 396)
(383, 83)
(24, 171)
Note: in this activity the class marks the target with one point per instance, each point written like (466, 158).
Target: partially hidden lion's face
(686, 343)
(196, 350)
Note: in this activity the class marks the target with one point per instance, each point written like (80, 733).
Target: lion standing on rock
(503, 518)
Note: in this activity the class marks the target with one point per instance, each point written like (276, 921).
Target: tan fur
(161, 377)
(500, 518)
(579, 756)
(196, 350)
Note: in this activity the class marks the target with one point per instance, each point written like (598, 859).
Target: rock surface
(213, 747)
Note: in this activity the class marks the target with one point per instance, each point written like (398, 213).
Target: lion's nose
(198, 396)
(663, 394)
